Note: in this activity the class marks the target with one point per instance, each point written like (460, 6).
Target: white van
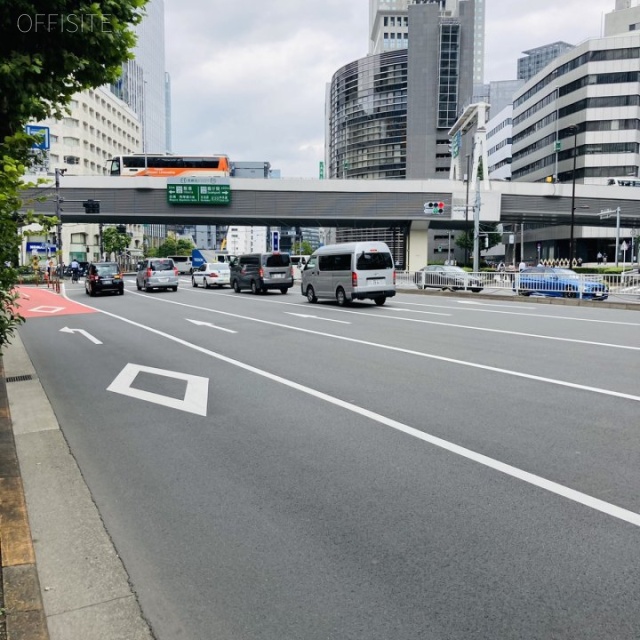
(350, 271)
(183, 264)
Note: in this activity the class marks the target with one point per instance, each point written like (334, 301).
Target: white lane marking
(304, 315)
(421, 354)
(388, 310)
(86, 334)
(489, 304)
(46, 309)
(530, 478)
(210, 324)
(195, 396)
(511, 313)
(306, 305)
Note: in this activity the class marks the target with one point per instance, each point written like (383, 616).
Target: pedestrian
(50, 269)
(579, 262)
(604, 258)
(599, 258)
(522, 266)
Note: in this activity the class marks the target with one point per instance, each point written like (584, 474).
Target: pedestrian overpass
(401, 204)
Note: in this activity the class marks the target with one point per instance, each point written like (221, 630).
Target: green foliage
(45, 58)
(49, 51)
(465, 239)
(113, 241)
(302, 248)
(173, 247)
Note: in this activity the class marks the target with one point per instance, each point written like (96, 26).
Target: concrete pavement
(62, 577)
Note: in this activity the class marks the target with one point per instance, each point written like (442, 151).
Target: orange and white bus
(167, 166)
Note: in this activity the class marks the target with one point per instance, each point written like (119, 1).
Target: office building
(593, 87)
(625, 17)
(388, 115)
(143, 84)
(535, 60)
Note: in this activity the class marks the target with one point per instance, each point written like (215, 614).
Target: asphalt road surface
(437, 468)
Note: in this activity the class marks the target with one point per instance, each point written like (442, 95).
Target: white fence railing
(537, 282)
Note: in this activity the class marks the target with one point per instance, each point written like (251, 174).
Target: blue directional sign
(36, 129)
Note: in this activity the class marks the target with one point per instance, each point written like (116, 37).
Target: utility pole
(59, 200)
(466, 216)
(476, 232)
(606, 213)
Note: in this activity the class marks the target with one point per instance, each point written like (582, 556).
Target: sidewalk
(61, 575)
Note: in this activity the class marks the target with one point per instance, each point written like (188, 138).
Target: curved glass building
(368, 118)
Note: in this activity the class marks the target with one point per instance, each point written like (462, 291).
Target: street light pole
(574, 129)
(466, 216)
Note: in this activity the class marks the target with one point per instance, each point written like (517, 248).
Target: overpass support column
(418, 246)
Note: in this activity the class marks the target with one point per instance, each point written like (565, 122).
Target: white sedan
(211, 273)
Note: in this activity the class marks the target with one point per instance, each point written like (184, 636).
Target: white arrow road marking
(86, 334)
(303, 315)
(210, 324)
(195, 395)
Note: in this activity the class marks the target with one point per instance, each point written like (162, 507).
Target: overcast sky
(249, 78)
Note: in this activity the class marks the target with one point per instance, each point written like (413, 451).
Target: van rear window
(369, 261)
(278, 260)
(162, 265)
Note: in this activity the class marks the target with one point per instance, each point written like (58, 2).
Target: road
(435, 468)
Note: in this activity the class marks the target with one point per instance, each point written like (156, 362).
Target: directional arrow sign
(86, 334)
(302, 315)
(209, 324)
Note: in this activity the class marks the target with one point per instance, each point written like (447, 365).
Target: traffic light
(91, 206)
(435, 208)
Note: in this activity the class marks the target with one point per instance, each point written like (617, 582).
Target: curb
(23, 611)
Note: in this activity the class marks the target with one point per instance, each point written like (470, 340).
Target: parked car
(261, 272)
(157, 273)
(558, 282)
(211, 273)
(103, 276)
(444, 277)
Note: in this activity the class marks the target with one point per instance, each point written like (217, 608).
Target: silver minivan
(157, 273)
(350, 271)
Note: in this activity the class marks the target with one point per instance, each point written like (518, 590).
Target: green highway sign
(198, 191)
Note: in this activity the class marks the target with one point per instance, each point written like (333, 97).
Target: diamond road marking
(45, 309)
(195, 396)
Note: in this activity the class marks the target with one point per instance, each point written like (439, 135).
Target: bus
(623, 182)
(168, 166)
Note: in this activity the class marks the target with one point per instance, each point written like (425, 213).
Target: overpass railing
(622, 287)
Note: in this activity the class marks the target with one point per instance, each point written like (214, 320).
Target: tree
(173, 247)
(303, 248)
(115, 241)
(46, 57)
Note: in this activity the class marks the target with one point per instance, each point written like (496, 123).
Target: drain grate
(22, 378)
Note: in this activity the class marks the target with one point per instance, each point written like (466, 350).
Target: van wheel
(138, 287)
(284, 290)
(341, 297)
(311, 295)
(236, 286)
(380, 300)
(254, 288)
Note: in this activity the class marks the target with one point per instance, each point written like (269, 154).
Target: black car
(103, 276)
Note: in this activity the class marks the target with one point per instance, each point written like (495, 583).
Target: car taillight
(149, 272)
(175, 271)
(261, 273)
(213, 274)
(94, 278)
(394, 276)
(354, 279)
(291, 271)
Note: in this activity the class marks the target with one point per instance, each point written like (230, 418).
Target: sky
(249, 78)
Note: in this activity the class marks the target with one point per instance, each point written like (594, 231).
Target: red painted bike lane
(37, 302)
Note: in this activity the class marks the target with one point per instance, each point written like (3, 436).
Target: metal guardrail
(625, 286)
